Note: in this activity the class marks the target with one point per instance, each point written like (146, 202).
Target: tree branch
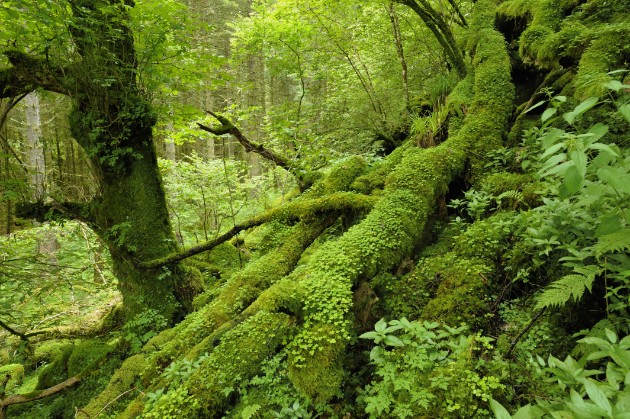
(27, 74)
(41, 211)
(441, 31)
(227, 127)
(462, 19)
(341, 201)
(50, 391)
(13, 331)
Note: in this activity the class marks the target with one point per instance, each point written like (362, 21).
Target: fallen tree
(309, 311)
(298, 302)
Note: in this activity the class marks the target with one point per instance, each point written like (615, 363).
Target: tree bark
(34, 146)
(436, 24)
(112, 122)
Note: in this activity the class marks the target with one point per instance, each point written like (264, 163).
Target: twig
(520, 335)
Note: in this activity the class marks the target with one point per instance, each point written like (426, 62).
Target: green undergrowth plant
(270, 394)
(584, 219)
(51, 277)
(594, 386)
(427, 369)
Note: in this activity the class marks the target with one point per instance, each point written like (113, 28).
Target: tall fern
(618, 241)
(558, 293)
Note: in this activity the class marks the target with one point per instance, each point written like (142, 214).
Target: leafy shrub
(427, 370)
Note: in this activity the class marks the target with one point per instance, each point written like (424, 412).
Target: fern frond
(559, 292)
(618, 241)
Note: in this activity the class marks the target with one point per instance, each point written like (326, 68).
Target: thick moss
(459, 297)
(375, 178)
(237, 357)
(119, 388)
(16, 374)
(57, 370)
(452, 277)
(609, 51)
(48, 351)
(85, 354)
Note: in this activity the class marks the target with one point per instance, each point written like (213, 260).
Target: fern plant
(584, 217)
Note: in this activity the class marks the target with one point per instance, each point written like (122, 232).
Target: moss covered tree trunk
(112, 121)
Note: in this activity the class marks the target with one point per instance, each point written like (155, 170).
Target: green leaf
(604, 147)
(393, 341)
(580, 109)
(579, 159)
(499, 411)
(597, 396)
(612, 336)
(549, 112)
(608, 223)
(538, 104)
(559, 292)
(393, 328)
(380, 326)
(597, 131)
(376, 354)
(614, 242)
(615, 85)
(551, 137)
(528, 412)
(369, 335)
(572, 182)
(624, 110)
(552, 150)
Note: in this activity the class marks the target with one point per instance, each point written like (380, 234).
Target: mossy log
(241, 289)
(309, 310)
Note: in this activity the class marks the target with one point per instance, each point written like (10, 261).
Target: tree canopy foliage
(280, 208)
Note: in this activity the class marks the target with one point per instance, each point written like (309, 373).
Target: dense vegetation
(279, 208)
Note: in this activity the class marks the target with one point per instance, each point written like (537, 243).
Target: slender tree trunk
(36, 161)
(393, 17)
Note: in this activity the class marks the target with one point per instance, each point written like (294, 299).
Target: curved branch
(250, 146)
(45, 211)
(27, 74)
(462, 19)
(227, 127)
(441, 31)
(14, 332)
(293, 211)
(24, 398)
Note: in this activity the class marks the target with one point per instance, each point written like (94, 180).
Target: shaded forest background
(314, 209)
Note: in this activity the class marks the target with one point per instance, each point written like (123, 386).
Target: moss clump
(486, 239)
(57, 370)
(236, 358)
(374, 179)
(85, 354)
(48, 351)
(459, 297)
(16, 374)
(497, 183)
(267, 237)
(124, 380)
(609, 51)
(339, 178)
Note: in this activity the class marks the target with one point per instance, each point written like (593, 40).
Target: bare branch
(227, 127)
